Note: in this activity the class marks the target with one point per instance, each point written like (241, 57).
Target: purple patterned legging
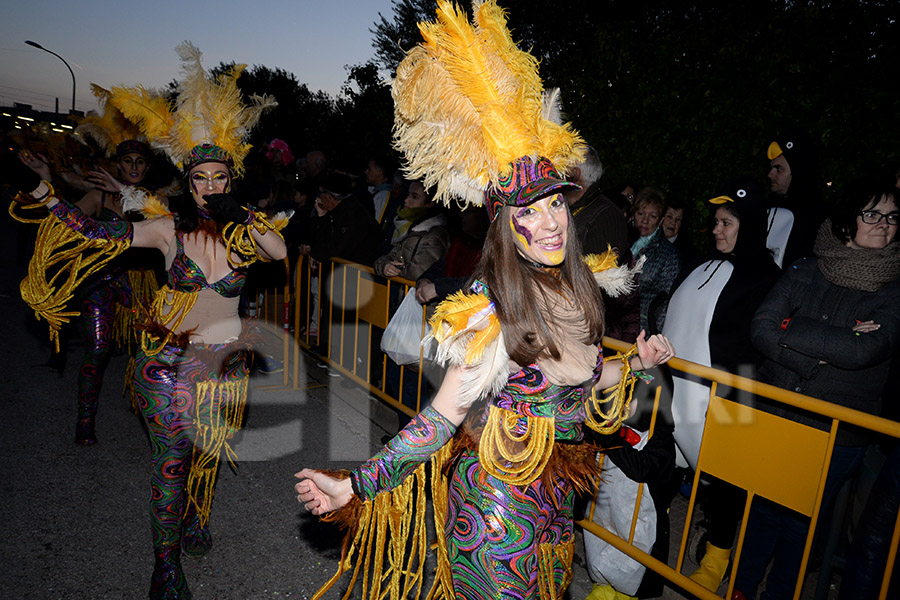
(495, 530)
(98, 311)
(165, 386)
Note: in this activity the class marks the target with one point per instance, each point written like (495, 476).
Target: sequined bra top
(186, 276)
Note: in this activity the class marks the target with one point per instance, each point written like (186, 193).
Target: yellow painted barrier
(766, 455)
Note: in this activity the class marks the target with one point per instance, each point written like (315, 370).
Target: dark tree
(685, 94)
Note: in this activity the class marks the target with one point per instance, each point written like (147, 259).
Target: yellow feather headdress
(110, 128)
(468, 109)
(208, 121)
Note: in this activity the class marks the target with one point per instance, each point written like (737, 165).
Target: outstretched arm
(426, 433)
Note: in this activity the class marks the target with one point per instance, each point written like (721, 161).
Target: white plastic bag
(616, 497)
(403, 335)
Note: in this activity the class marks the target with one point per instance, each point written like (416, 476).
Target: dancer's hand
(25, 175)
(37, 162)
(654, 351)
(320, 493)
(102, 180)
(224, 208)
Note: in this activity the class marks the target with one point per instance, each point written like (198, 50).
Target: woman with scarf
(828, 329)
(191, 370)
(662, 261)
(708, 319)
(503, 435)
(420, 236)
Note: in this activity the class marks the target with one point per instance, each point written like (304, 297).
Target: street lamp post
(39, 47)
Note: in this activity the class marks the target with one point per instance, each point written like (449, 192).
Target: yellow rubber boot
(712, 567)
(607, 592)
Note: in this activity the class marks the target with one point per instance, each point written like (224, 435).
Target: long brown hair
(512, 282)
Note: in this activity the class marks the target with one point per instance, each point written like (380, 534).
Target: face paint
(540, 230)
(209, 178)
(132, 168)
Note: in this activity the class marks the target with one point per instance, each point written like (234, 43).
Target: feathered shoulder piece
(614, 279)
(110, 128)
(468, 104)
(151, 206)
(208, 112)
(468, 334)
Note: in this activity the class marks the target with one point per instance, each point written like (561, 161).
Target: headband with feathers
(208, 121)
(111, 130)
(469, 110)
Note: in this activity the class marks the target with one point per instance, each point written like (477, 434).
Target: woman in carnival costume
(191, 369)
(504, 432)
(114, 298)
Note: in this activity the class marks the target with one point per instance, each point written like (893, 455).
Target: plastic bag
(403, 335)
(616, 497)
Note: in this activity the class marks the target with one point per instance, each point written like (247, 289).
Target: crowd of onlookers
(783, 290)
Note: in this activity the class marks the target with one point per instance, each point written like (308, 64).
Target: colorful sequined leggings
(508, 541)
(165, 385)
(98, 311)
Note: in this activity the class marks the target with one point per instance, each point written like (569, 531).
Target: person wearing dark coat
(340, 226)
(718, 295)
(828, 329)
(601, 225)
(797, 206)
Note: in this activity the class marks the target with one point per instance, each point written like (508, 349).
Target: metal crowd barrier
(767, 456)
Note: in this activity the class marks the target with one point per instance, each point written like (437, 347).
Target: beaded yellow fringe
(238, 238)
(62, 260)
(550, 558)
(516, 459)
(617, 398)
(388, 550)
(179, 305)
(219, 414)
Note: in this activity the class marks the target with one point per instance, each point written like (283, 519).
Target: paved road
(75, 522)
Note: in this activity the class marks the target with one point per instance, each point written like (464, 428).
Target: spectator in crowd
(281, 160)
(311, 170)
(662, 263)
(673, 226)
(450, 274)
(709, 314)
(828, 329)
(796, 204)
(421, 239)
(622, 196)
(340, 226)
(598, 223)
(379, 178)
(420, 236)
(867, 558)
(601, 225)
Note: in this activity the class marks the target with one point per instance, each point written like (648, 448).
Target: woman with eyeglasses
(828, 329)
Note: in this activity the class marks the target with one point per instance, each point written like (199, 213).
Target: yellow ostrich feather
(454, 318)
(154, 208)
(151, 113)
(601, 262)
(452, 315)
(110, 128)
(207, 111)
(468, 103)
